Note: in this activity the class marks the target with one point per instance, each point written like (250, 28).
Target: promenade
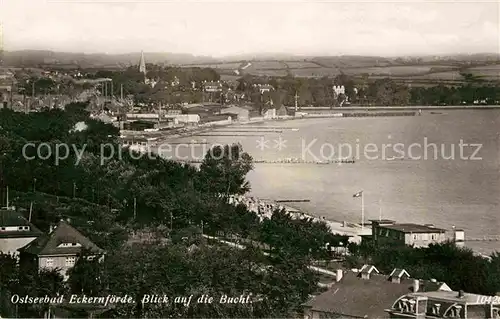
(264, 208)
(401, 108)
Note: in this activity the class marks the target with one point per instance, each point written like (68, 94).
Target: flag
(358, 194)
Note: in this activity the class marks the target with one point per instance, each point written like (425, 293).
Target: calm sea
(427, 178)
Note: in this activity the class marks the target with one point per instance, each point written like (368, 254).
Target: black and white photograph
(305, 159)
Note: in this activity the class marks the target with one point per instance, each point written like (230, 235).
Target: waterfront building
(189, 119)
(445, 304)
(365, 293)
(15, 231)
(388, 231)
(264, 88)
(59, 249)
(242, 114)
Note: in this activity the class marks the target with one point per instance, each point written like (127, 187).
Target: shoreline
(315, 113)
(264, 209)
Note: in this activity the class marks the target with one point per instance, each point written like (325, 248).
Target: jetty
(286, 161)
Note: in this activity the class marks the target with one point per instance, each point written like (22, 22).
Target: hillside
(425, 70)
(35, 57)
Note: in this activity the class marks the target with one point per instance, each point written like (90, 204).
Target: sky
(232, 27)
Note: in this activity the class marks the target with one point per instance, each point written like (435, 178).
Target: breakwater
(400, 108)
(287, 161)
(373, 114)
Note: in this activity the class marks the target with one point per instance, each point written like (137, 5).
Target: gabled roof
(63, 233)
(399, 273)
(364, 298)
(13, 218)
(367, 269)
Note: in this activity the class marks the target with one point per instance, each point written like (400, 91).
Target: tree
(223, 171)
(85, 276)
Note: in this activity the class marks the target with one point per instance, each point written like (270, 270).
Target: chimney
(460, 294)
(339, 275)
(416, 285)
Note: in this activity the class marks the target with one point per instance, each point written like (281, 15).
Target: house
(5, 94)
(365, 293)
(217, 119)
(243, 114)
(445, 304)
(388, 231)
(339, 89)
(189, 119)
(142, 117)
(58, 249)
(212, 86)
(15, 231)
(103, 117)
(264, 88)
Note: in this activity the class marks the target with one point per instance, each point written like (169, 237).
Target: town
(103, 216)
(67, 233)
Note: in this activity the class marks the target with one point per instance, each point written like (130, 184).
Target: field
(403, 70)
(301, 65)
(266, 65)
(491, 72)
(224, 66)
(282, 72)
(450, 75)
(370, 67)
(314, 72)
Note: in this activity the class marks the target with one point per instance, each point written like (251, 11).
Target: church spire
(142, 64)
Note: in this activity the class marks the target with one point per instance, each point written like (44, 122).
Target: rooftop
(452, 296)
(14, 218)
(414, 228)
(365, 298)
(64, 233)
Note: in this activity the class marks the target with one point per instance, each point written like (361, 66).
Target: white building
(339, 89)
(15, 231)
(184, 118)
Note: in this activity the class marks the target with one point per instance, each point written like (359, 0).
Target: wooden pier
(484, 238)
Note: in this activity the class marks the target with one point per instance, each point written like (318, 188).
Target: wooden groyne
(372, 108)
(286, 161)
(378, 114)
(484, 238)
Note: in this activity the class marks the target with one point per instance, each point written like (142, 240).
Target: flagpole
(362, 211)
(380, 210)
